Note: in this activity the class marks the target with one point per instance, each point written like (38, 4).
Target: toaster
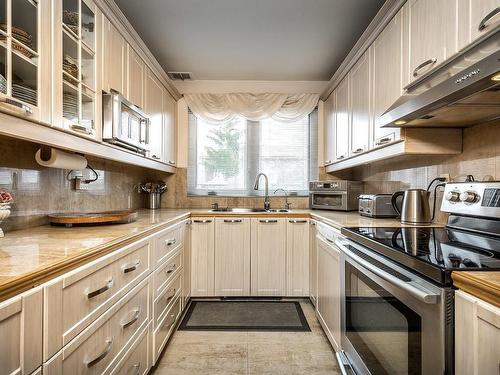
(376, 205)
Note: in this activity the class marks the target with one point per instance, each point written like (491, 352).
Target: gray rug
(245, 316)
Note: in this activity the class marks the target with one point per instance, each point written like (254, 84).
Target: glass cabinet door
(19, 56)
(78, 67)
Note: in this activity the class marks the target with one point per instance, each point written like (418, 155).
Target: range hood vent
(465, 99)
(179, 76)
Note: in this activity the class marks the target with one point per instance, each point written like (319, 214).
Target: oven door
(332, 200)
(393, 322)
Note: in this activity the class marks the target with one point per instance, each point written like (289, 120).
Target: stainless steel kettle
(415, 208)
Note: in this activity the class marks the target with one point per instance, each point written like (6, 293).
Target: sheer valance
(220, 108)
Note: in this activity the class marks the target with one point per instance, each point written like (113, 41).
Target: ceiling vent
(179, 76)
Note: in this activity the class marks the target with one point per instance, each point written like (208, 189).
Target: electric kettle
(415, 208)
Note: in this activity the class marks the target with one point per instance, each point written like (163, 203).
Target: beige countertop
(481, 284)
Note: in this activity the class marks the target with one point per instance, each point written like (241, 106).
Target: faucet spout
(267, 204)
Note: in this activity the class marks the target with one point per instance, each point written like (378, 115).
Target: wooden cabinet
(342, 120)
(136, 360)
(135, 77)
(297, 257)
(21, 328)
(328, 304)
(329, 129)
(268, 257)
(386, 54)
(153, 106)
(476, 18)
(477, 336)
(114, 59)
(360, 96)
(186, 283)
(202, 257)
(169, 129)
(313, 263)
(232, 256)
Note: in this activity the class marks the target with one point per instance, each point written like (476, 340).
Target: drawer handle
(100, 290)
(233, 221)
(81, 129)
(328, 162)
(100, 357)
(172, 269)
(155, 157)
(358, 151)
(268, 221)
(170, 242)
(172, 317)
(297, 221)
(202, 221)
(340, 157)
(171, 295)
(171, 162)
(383, 141)
(131, 267)
(490, 15)
(134, 318)
(424, 64)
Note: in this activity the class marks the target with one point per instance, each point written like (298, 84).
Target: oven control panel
(472, 198)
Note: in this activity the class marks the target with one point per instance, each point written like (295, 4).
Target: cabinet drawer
(137, 360)
(165, 299)
(76, 299)
(98, 348)
(167, 242)
(166, 327)
(166, 272)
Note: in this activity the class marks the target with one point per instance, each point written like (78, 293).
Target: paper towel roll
(54, 158)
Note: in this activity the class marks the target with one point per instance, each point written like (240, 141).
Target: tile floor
(251, 353)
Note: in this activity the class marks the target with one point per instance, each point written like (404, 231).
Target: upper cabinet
(476, 18)
(154, 108)
(343, 120)
(25, 58)
(135, 78)
(114, 63)
(329, 135)
(169, 129)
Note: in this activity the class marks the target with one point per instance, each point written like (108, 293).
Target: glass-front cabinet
(75, 101)
(23, 58)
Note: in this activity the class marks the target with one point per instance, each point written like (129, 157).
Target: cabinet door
(360, 105)
(386, 53)
(154, 108)
(202, 257)
(169, 128)
(297, 257)
(268, 257)
(313, 263)
(432, 34)
(21, 328)
(115, 49)
(232, 257)
(328, 305)
(329, 132)
(187, 263)
(135, 78)
(342, 113)
(475, 19)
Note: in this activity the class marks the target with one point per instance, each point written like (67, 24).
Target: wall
(39, 191)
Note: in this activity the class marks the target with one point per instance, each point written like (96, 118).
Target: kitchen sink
(248, 210)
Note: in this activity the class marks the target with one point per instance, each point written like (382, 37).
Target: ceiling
(267, 40)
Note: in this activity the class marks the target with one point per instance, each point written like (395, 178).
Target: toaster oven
(340, 195)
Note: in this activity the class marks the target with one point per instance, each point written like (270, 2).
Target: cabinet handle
(268, 221)
(358, 150)
(313, 223)
(171, 162)
(172, 317)
(170, 242)
(17, 106)
(297, 221)
(172, 269)
(131, 267)
(233, 221)
(202, 221)
(134, 318)
(425, 63)
(137, 368)
(81, 129)
(100, 357)
(328, 161)
(383, 141)
(490, 15)
(340, 157)
(155, 157)
(171, 295)
(101, 290)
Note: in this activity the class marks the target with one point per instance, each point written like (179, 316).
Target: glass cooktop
(433, 252)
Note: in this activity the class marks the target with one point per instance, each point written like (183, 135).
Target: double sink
(247, 210)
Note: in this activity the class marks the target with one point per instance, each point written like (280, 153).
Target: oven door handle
(418, 292)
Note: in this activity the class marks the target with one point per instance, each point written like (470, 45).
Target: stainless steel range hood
(468, 98)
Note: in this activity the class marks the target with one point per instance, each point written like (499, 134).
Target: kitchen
(250, 187)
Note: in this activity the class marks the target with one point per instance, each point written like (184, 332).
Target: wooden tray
(93, 218)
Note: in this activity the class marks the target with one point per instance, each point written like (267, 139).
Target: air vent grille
(179, 76)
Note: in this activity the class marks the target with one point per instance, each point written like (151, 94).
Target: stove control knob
(469, 197)
(452, 196)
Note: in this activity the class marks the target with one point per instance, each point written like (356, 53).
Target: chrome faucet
(267, 204)
(287, 205)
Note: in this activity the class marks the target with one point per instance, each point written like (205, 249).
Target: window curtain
(221, 108)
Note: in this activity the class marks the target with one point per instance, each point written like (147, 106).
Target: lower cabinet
(313, 263)
(202, 257)
(232, 256)
(477, 336)
(328, 302)
(268, 257)
(137, 359)
(297, 257)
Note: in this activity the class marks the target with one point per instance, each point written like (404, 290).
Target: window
(225, 158)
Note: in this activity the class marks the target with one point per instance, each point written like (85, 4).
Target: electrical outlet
(445, 175)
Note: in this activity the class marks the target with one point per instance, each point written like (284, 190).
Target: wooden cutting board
(93, 218)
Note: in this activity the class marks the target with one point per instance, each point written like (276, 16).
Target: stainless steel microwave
(125, 124)
(338, 195)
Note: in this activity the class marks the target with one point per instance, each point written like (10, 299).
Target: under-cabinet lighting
(400, 122)
(496, 77)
